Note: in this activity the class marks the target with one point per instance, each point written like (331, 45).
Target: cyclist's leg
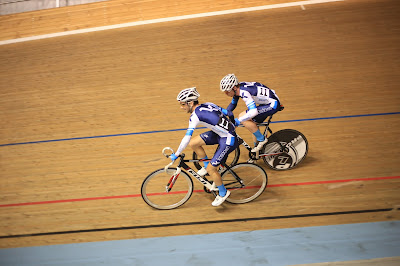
(221, 154)
(196, 143)
(251, 124)
(264, 111)
(252, 127)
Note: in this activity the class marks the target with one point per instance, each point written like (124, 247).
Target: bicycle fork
(171, 182)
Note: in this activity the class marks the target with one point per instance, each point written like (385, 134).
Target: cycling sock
(222, 190)
(205, 163)
(259, 136)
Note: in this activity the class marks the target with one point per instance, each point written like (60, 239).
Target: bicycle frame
(204, 181)
(249, 148)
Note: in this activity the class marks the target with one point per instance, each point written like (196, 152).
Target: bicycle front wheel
(245, 181)
(154, 189)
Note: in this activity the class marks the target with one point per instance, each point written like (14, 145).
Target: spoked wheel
(155, 194)
(292, 146)
(252, 182)
(232, 159)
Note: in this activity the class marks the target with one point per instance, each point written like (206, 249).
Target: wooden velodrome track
(84, 119)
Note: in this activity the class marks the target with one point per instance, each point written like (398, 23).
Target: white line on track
(168, 19)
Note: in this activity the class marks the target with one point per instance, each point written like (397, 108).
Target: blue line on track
(181, 129)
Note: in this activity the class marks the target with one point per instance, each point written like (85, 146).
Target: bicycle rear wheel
(155, 194)
(253, 181)
(293, 145)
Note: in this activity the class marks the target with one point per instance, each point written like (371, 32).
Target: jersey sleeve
(194, 120)
(233, 103)
(228, 113)
(251, 106)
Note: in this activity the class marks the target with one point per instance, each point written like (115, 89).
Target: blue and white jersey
(211, 116)
(253, 94)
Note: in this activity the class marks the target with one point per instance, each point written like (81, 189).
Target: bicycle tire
(232, 159)
(154, 192)
(254, 179)
(295, 149)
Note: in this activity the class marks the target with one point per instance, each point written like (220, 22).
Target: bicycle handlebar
(167, 148)
(178, 170)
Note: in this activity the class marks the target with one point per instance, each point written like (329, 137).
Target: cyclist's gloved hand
(173, 157)
(237, 122)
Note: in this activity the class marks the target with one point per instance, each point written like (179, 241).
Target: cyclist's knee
(250, 125)
(249, 122)
(196, 142)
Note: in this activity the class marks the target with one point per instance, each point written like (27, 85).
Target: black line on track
(197, 223)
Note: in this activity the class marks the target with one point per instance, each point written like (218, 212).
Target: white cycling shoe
(259, 145)
(202, 172)
(219, 200)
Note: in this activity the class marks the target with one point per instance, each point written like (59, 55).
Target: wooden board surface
(84, 119)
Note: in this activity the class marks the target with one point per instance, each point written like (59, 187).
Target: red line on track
(138, 195)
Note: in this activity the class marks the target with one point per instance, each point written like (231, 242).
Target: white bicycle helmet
(187, 95)
(228, 82)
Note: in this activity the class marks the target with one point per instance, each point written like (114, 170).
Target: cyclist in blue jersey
(260, 100)
(222, 132)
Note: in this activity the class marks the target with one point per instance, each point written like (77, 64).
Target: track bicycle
(168, 188)
(284, 150)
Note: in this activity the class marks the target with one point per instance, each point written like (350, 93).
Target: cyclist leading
(260, 100)
(222, 132)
